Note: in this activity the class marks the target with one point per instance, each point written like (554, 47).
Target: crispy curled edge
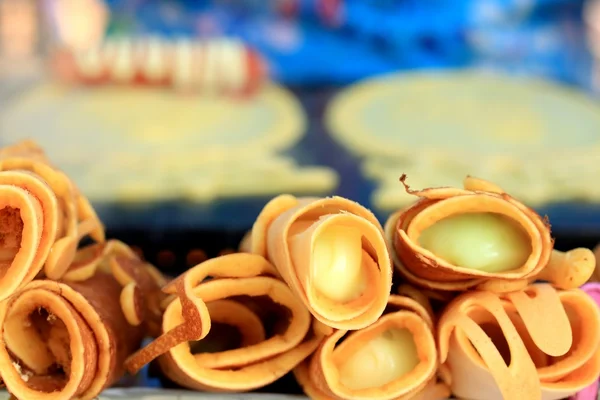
(565, 270)
(543, 317)
(79, 217)
(272, 358)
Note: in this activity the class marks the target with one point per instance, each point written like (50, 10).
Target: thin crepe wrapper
(590, 392)
(28, 231)
(552, 338)
(76, 217)
(260, 361)
(421, 267)
(272, 237)
(141, 295)
(319, 375)
(100, 338)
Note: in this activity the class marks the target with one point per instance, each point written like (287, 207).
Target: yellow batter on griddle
(146, 144)
(539, 141)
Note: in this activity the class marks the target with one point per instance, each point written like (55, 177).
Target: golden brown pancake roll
(221, 335)
(331, 252)
(75, 218)
(455, 239)
(537, 343)
(28, 224)
(394, 358)
(65, 340)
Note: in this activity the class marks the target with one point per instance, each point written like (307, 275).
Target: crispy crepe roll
(538, 343)
(395, 358)
(29, 219)
(241, 330)
(455, 239)
(331, 252)
(141, 296)
(65, 340)
(76, 218)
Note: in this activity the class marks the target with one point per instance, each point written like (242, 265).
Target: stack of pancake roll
(460, 294)
(70, 315)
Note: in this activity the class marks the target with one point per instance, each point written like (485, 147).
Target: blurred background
(180, 119)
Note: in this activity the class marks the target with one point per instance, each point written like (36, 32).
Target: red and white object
(220, 65)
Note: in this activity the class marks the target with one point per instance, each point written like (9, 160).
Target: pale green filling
(482, 241)
(382, 360)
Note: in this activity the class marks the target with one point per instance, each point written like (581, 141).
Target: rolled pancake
(65, 340)
(394, 358)
(549, 339)
(590, 392)
(76, 217)
(28, 226)
(332, 254)
(455, 239)
(141, 296)
(237, 296)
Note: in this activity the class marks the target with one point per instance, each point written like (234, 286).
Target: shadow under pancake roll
(69, 339)
(481, 238)
(314, 242)
(536, 343)
(43, 218)
(230, 325)
(394, 358)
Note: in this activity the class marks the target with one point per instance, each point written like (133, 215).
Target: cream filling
(481, 241)
(380, 361)
(337, 270)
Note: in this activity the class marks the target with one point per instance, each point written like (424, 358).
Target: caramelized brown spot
(11, 227)
(11, 230)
